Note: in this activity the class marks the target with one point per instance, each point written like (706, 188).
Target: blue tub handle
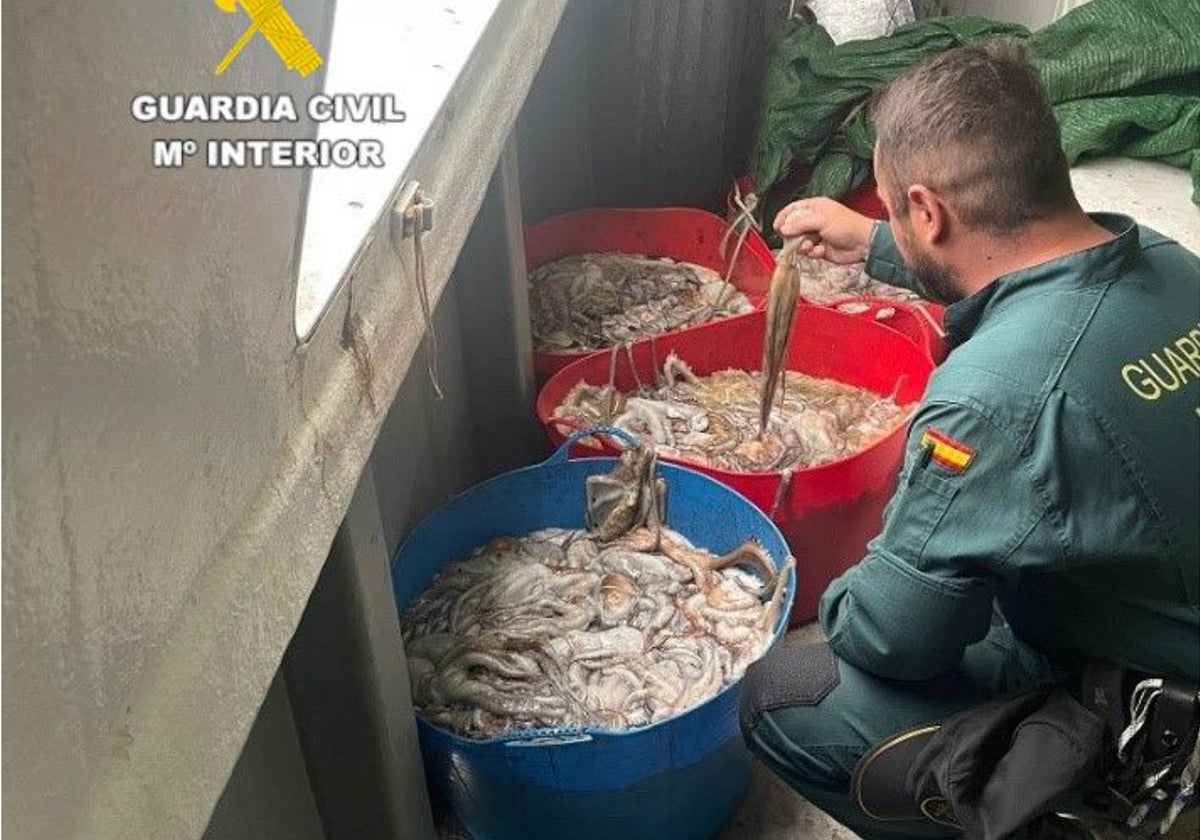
(548, 737)
(563, 452)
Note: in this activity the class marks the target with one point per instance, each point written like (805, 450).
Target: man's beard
(937, 280)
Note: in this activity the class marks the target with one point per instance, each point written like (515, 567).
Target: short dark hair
(975, 124)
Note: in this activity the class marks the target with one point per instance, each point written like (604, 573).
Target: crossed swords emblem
(273, 21)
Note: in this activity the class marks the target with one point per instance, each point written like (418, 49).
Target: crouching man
(1047, 514)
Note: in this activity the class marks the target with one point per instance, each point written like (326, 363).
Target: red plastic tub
(681, 233)
(829, 512)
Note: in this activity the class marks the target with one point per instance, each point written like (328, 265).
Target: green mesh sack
(1124, 77)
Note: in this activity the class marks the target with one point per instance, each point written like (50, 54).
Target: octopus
(827, 282)
(781, 315)
(714, 421)
(593, 301)
(594, 627)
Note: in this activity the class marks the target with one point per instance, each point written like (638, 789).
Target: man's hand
(832, 231)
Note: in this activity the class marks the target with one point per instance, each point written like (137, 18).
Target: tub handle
(564, 451)
(548, 738)
(921, 328)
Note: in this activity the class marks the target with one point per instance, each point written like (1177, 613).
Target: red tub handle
(919, 327)
(561, 423)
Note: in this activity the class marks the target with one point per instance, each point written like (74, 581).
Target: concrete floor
(770, 809)
(1154, 194)
(773, 811)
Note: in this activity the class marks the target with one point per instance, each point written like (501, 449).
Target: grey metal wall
(644, 102)
(341, 698)
(268, 796)
(176, 466)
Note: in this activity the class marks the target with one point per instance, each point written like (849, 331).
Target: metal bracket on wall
(412, 218)
(412, 213)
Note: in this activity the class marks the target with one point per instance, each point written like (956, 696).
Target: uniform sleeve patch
(947, 452)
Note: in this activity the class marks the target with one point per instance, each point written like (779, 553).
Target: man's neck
(989, 257)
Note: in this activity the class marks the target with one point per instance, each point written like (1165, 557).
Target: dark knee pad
(791, 674)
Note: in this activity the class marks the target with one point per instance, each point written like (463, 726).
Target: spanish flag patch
(947, 452)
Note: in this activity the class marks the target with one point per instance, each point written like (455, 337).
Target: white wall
(1033, 14)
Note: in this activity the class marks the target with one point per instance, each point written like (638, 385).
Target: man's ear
(929, 216)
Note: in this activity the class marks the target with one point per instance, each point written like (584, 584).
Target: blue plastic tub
(679, 779)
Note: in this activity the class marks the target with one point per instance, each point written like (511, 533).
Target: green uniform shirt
(1052, 469)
